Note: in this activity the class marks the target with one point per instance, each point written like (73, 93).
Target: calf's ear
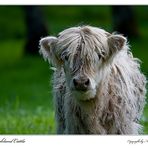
(116, 43)
(47, 45)
(48, 49)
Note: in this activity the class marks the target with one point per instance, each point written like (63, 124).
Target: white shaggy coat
(115, 98)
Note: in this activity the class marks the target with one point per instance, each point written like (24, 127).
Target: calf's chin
(84, 96)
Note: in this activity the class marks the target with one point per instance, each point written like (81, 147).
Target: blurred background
(26, 105)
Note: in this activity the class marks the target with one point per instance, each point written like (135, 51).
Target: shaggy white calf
(98, 86)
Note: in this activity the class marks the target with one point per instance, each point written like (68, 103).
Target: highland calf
(98, 86)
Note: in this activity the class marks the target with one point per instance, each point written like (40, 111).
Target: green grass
(26, 103)
(22, 121)
(26, 100)
(144, 120)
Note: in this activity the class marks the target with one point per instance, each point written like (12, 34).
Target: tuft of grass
(22, 121)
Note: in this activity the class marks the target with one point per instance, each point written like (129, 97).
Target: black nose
(81, 84)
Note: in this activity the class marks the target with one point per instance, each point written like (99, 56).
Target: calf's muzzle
(81, 84)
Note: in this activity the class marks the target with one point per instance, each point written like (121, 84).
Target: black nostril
(81, 84)
(86, 82)
(75, 82)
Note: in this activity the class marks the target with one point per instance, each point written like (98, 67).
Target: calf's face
(83, 54)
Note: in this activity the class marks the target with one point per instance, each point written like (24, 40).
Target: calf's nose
(81, 84)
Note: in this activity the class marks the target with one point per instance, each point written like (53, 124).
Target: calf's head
(83, 53)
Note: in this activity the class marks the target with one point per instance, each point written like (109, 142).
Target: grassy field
(26, 99)
(26, 105)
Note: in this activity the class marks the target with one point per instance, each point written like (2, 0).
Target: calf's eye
(99, 56)
(66, 57)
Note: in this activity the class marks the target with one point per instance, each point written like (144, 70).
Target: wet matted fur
(98, 86)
